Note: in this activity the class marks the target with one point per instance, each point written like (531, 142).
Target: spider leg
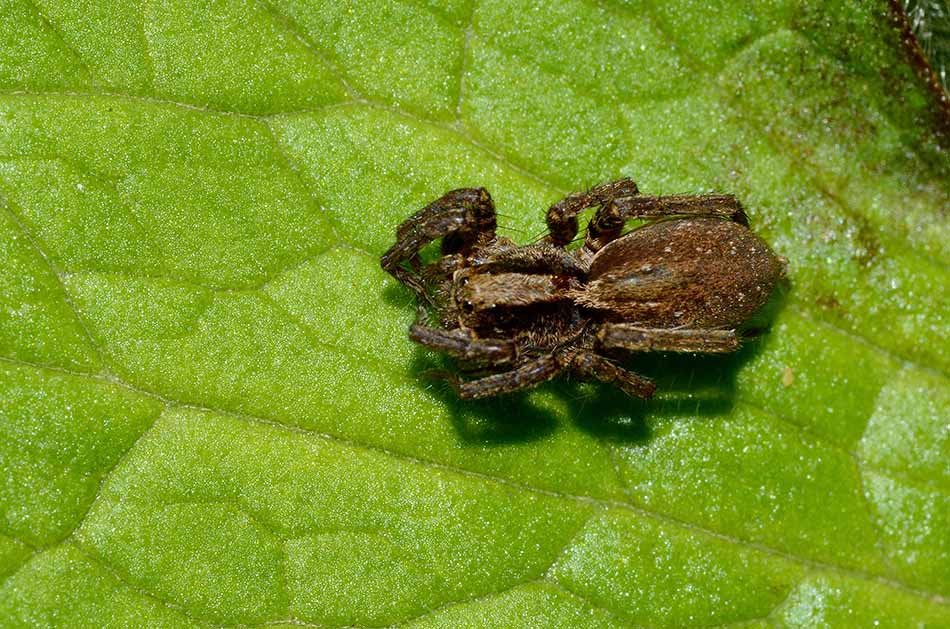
(525, 376)
(610, 219)
(541, 258)
(636, 338)
(459, 217)
(589, 365)
(463, 345)
(562, 216)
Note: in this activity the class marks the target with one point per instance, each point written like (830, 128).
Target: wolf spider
(515, 316)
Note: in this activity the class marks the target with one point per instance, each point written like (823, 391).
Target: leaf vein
(299, 34)
(467, 34)
(93, 557)
(59, 279)
(69, 47)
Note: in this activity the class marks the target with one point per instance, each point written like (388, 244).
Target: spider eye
(468, 306)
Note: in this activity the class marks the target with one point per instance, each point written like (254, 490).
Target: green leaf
(211, 414)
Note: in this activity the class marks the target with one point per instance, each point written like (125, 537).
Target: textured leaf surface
(211, 414)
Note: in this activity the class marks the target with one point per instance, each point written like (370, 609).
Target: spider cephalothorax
(683, 282)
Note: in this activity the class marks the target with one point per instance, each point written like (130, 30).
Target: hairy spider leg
(562, 216)
(540, 258)
(588, 365)
(525, 376)
(460, 217)
(462, 344)
(639, 339)
(608, 223)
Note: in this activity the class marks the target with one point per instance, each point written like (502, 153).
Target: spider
(515, 316)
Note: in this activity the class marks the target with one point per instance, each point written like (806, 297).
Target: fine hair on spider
(685, 280)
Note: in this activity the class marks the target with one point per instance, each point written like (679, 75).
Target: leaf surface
(211, 414)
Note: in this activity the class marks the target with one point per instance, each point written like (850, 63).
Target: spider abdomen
(699, 272)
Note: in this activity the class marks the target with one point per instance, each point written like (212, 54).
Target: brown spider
(525, 313)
